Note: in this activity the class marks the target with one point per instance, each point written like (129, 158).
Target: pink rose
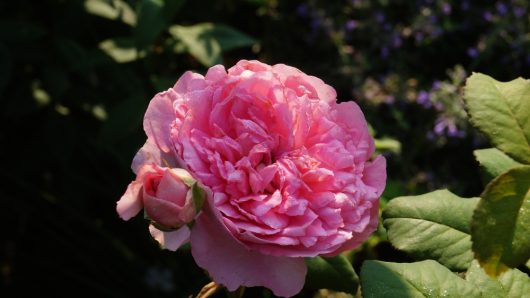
(167, 200)
(288, 171)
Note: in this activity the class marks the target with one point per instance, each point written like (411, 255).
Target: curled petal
(171, 240)
(130, 203)
(233, 265)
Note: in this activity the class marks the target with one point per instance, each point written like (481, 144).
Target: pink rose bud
(166, 195)
(166, 198)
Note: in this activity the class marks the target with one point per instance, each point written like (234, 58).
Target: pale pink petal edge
(171, 240)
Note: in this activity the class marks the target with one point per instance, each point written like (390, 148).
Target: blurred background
(76, 77)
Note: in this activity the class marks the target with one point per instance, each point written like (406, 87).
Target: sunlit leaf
(502, 111)
(334, 273)
(388, 144)
(501, 222)
(420, 279)
(207, 41)
(112, 10)
(512, 283)
(122, 50)
(435, 226)
(494, 161)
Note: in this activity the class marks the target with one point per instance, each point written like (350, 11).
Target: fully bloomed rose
(288, 171)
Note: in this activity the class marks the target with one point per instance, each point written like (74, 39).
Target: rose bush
(287, 170)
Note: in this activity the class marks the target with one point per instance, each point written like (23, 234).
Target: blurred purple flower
(447, 126)
(315, 23)
(418, 36)
(432, 19)
(389, 99)
(446, 8)
(436, 32)
(384, 52)
(302, 10)
(436, 85)
(439, 126)
(488, 16)
(519, 11)
(472, 52)
(502, 9)
(423, 99)
(380, 17)
(396, 41)
(351, 25)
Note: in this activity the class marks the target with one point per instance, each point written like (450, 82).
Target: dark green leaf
(153, 17)
(333, 273)
(206, 41)
(501, 222)
(502, 111)
(420, 279)
(435, 225)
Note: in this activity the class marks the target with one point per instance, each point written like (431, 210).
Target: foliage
(76, 77)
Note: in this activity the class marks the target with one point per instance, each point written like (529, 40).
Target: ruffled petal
(171, 240)
(375, 174)
(233, 265)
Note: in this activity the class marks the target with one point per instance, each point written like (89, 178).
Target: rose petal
(149, 154)
(171, 240)
(233, 265)
(130, 203)
(158, 119)
(375, 174)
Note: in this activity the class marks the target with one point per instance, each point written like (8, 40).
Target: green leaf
(501, 222)
(153, 17)
(333, 273)
(121, 49)
(435, 225)
(388, 144)
(494, 161)
(420, 279)
(502, 111)
(206, 41)
(113, 10)
(512, 283)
